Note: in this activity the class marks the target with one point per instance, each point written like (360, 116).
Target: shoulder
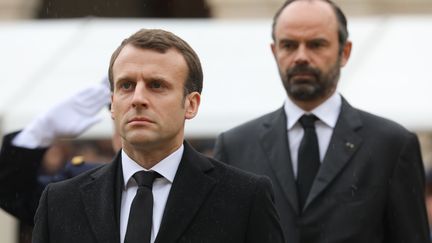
(232, 177)
(370, 125)
(259, 121)
(380, 126)
(78, 165)
(72, 184)
(251, 128)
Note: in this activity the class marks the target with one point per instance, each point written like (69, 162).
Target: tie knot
(145, 178)
(308, 121)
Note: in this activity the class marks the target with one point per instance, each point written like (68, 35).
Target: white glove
(68, 118)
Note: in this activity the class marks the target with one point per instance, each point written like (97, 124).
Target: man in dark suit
(339, 174)
(156, 81)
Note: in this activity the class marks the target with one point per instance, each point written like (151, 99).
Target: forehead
(134, 59)
(308, 19)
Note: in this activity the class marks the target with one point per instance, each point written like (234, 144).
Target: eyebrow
(311, 41)
(321, 40)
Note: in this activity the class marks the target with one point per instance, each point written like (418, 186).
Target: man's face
(306, 50)
(148, 104)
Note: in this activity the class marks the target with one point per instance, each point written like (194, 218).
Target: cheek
(118, 112)
(327, 60)
(175, 112)
(284, 62)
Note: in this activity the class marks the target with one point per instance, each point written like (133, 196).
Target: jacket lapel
(274, 140)
(343, 144)
(190, 188)
(99, 199)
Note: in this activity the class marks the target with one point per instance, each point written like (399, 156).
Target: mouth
(303, 75)
(303, 78)
(140, 121)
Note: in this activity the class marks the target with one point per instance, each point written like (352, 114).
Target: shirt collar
(327, 112)
(167, 167)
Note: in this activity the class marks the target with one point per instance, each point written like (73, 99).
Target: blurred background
(51, 48)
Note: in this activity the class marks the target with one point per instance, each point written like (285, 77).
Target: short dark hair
(160, 41)
(342, 21)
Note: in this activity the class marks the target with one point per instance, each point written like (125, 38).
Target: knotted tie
(141, 211)
(308, 158)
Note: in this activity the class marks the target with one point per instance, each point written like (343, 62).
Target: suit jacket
(369, 188)
(208, 202)
(22, 179)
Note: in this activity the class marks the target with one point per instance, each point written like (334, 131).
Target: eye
(156, 84)
(316, 44)
(126, 85)
(289, 45)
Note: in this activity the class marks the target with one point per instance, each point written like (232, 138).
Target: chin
(304, 92)
(139, 137)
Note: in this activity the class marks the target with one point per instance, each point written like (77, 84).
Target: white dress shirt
(167, 168)
(327, 112)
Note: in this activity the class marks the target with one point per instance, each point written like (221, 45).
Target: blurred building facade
(27, 9)
(42, 9)
(12, 10)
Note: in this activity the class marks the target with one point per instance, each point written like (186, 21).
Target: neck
(149, 156)
(308, 105)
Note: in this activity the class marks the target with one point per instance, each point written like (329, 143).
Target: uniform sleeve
(19, 189)
(406, 211)
(264, 225)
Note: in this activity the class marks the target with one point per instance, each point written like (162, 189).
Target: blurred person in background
(340, 174)
(27, 164)
(53, 161)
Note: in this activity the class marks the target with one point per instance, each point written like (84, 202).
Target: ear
(192, 103)
(346, 53)
(273, 48)
(112, 107)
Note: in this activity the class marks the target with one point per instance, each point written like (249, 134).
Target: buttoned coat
(208, 202)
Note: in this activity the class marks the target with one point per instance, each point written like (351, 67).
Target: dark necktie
(141, 211)
(308, 158)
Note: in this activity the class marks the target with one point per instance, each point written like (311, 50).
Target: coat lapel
(99, 199)
(343, 144)
(190, 188)
(274, 140)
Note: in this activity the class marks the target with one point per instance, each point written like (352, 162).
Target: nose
(139, 98)
(302, 55)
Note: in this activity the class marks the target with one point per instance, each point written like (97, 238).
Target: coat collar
(189, 190)
(101, 197)
(344, 143)
(274, 140)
